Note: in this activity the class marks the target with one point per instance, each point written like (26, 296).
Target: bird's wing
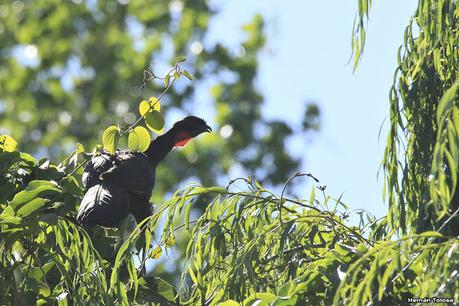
(95, 167)
(103, 204)
(133, 172)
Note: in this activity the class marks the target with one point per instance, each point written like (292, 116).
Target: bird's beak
(208, 129)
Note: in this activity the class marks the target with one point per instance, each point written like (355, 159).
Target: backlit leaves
(156, 252)
(187, 74)
(7, 143)
(421, 156)
(139, 139)
(31, 207)
(151, 105)
(170, 241)
(155, 121)
(110, 138)
(150, 111)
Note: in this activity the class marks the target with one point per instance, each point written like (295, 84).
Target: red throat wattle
(182, 138)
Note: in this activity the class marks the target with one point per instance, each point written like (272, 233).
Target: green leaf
(79, 148)
(187, 216)
(312, 198)
(8, 211)
(284, 290)
(151, 105)
(33, 190)
(7, 143)
(447, 101)
(280, 301)
(259, 299)
(31, 207)
(156, 252)
(155, 121)
(133, 275)
(165, 289)
(187, 74)
(170, 241)
(110, 138)
(139, 139)
(167, 80)
(430, 234)
(229, 303)
(8, 219)
(181, 59)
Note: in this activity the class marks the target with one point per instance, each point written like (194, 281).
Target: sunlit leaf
(156, 252)
(187, 74)
(167, 79)
(80, 148)
(259, 299)
(33, 190)
(8, 219)
(110, 138)
(165, 289)
(229, 303)
(170, 241)
(153, 104)
(139, 139)
(155, 121)
(7, 143)
(31, 207)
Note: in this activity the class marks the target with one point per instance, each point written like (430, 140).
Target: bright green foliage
(188, 75)
(358, 31)
(256, 242)
(45, 258)
(421, 167)
(147, 106)
(422, 265)
(235, 246)
(150, 111)
(139, 139)
(7, 143)
(421, 156)
(154, 121)
(81, 71)
(110, 138)
(249, 247)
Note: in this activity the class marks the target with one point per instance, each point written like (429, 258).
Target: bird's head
(188, 128)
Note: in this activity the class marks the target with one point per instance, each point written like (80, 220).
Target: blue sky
(306, 60)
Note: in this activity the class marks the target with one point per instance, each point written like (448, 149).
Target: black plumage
(119, 184)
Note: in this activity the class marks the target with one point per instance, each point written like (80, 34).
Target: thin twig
(150, 108)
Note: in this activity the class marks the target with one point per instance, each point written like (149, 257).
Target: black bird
(119, 184)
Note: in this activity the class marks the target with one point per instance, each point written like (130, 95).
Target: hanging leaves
(170, 241)
(187, 74)
(156, 252)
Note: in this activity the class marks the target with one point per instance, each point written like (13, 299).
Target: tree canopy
(246, 247)
(68, 70)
